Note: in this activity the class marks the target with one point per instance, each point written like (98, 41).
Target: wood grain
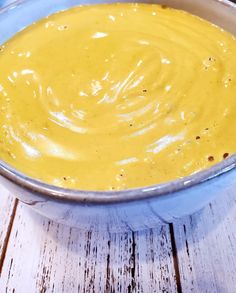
(7, 213)
(43, 256)
(206, 244)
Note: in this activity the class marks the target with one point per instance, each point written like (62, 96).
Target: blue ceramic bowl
(131, 209)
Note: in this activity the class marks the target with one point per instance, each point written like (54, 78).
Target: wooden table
(195, 254)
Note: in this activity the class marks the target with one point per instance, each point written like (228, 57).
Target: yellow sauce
(117, 96)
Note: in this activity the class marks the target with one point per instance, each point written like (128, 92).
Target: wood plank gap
(5, 243)
(175, 258)
(133, 256)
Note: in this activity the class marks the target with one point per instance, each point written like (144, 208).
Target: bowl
(131, 209)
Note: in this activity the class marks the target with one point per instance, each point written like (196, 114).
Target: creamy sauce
(109, 97)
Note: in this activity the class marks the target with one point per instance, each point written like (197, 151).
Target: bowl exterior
(127, 216)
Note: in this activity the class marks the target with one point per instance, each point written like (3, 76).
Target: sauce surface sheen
(109, 97)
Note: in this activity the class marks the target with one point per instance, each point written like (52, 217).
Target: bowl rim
(110, 197)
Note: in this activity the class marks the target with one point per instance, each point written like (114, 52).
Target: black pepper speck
(210, 158)
(225, 155)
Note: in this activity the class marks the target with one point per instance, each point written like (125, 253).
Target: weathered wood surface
(43, 256)
(7, 213)
(206, 244)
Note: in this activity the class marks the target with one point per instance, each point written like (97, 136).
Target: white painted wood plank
(7, 203)
(154, 262)
(206, 244)
(43, 256)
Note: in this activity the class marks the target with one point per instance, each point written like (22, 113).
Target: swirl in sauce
(117, 96)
